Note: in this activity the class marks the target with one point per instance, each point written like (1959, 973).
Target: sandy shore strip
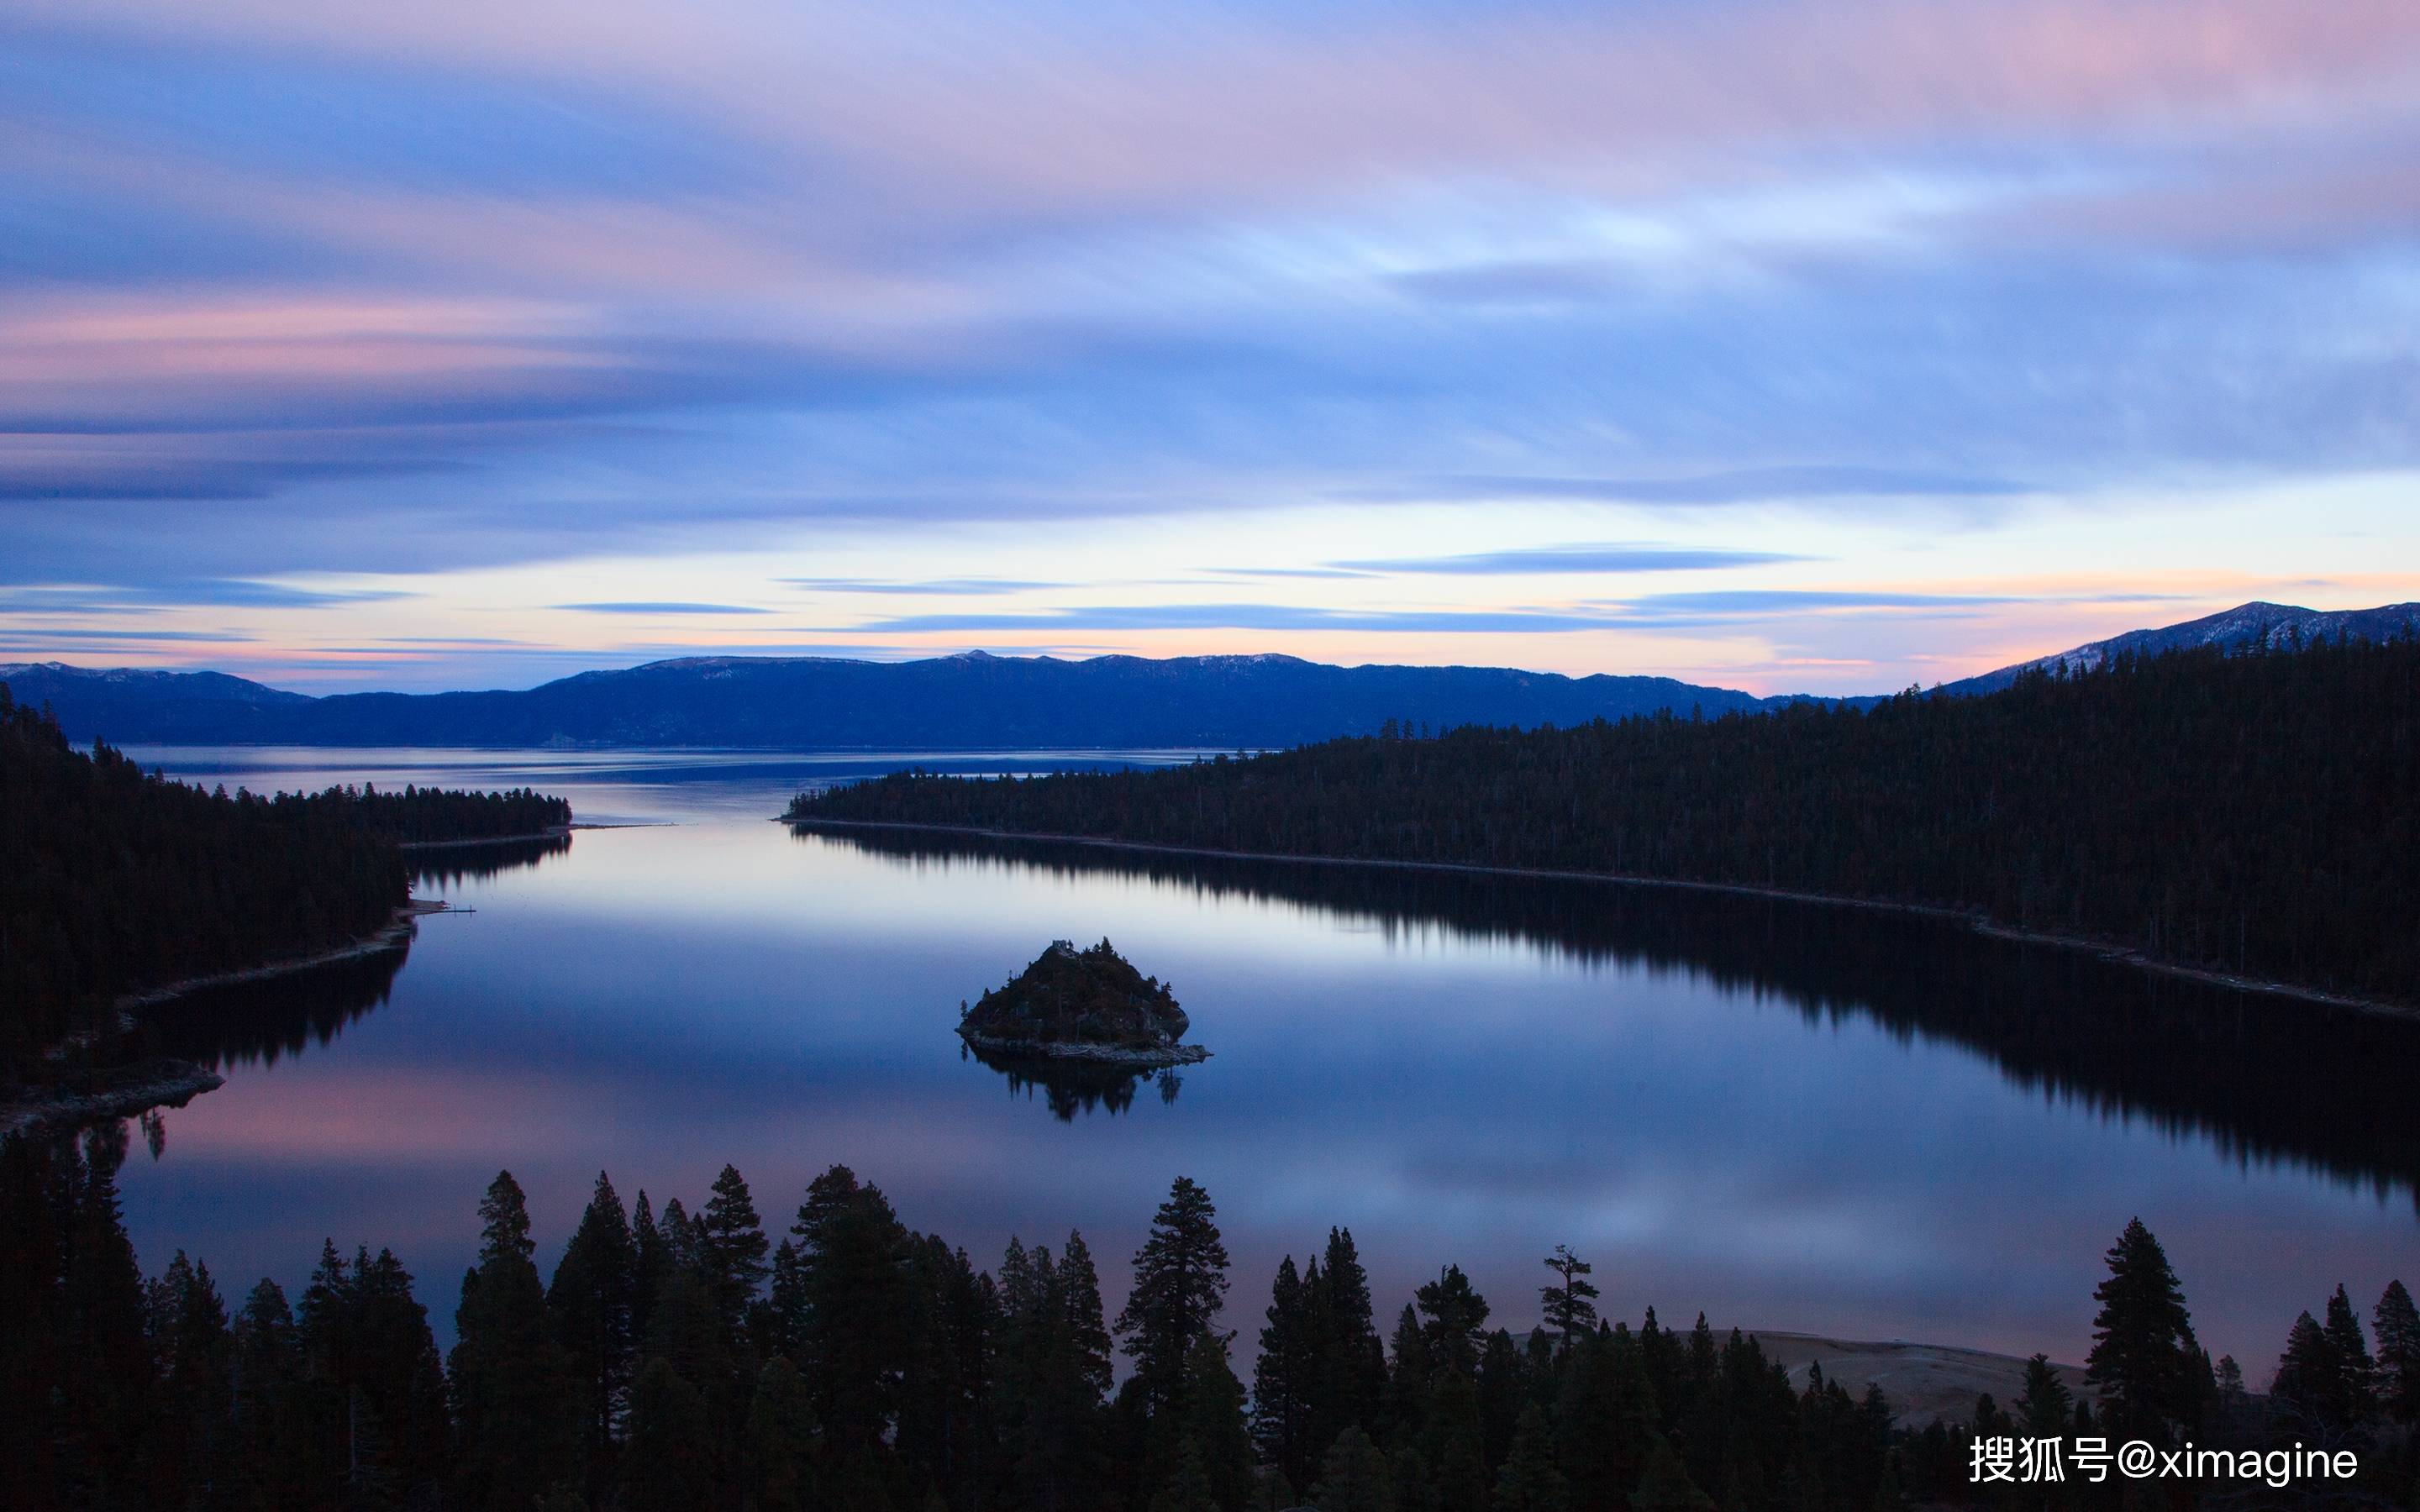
(1978, 923)
(119, 1094)
(394, 934)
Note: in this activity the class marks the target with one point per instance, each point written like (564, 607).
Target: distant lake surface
(1792, 1116)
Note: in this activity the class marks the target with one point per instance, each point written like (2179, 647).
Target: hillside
(2254, 813)
(2280, 627)
(971, 700)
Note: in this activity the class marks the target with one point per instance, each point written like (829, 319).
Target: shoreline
(551, 832)
(1100, 1055)
(392, 935)
(1981, 924)
(152, 1085)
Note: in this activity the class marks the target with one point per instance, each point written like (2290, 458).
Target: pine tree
(1570, 1305)
(853, 1274)
(1529, 1482)
(667, 1466)
(732, 1244)
(267, 1409)
(2309, 1375)
(1213, 1421)
(2143, 1352)
(2355, 1391)
(1408, 1368)
(2397, 1324)
(2044, 1406)
(590, 1308)
(648, 1261)
(1350, 1378)
(781, 1440)
(1354, 1476)
(1456, 1315)
(1180, 1283)
(192, 1425)
(1455, 1443)
(1282, 1388)
(516, 1440)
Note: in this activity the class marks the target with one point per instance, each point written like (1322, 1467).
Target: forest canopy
(2252, 813)
(115, 880)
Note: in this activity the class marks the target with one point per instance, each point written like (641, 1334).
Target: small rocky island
(1082, 1005)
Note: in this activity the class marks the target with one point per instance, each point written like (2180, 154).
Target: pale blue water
(1812, 1119)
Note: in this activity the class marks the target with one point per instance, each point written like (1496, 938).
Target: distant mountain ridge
(2246, 624)
(979, 701)
(971, 700)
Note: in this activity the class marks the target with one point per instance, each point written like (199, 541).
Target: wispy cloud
(1736, 486)
(1255, 617)
(1613, 557)
(939, 587)
(658, 606)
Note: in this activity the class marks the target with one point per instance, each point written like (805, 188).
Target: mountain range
(979, 701)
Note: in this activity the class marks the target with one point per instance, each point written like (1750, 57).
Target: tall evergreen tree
(1570, 1301)
(1213, 1422)
(853, 1275)
(2045, 1405)
(1354, 1476)
(1530, 1481)
(668, 1464)
(2356, 1387)
(591, 1307)
(781, 1440)
(267, 1407)
(2308, 1374)
(192, 1422)
(1283, 1385)
(2142, 1347)
(1456, 1317)
(1180, 1283)
(1350, 1378)
(2399, 1354)
(732, 1243)
(516, 1424)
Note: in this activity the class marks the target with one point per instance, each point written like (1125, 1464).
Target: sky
(1782, 346)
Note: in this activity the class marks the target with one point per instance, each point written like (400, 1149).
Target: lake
(1793, 1117)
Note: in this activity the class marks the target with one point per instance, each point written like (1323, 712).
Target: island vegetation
(1082, 1005)
(684, 1359)
(118, 883)
(2252, 814)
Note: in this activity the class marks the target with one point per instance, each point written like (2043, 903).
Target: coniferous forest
(2247, 814)
(113, 881)
(681, 1358)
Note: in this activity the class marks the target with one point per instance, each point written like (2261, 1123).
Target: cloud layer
(296, 296)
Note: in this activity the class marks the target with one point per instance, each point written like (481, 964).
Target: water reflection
(450, 866)
(258, 1023)
(1073, 1087)
(2266, 1077)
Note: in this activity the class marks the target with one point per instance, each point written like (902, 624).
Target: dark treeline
(2267, 1077)
(113, 881)
(2251, 813)
(419, 815)
(681, 1358)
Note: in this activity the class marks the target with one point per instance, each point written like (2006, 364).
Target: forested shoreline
(680, 1359)
(114, 882)
(2252, 814)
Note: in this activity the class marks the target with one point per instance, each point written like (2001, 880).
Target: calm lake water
(1798, 1117)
